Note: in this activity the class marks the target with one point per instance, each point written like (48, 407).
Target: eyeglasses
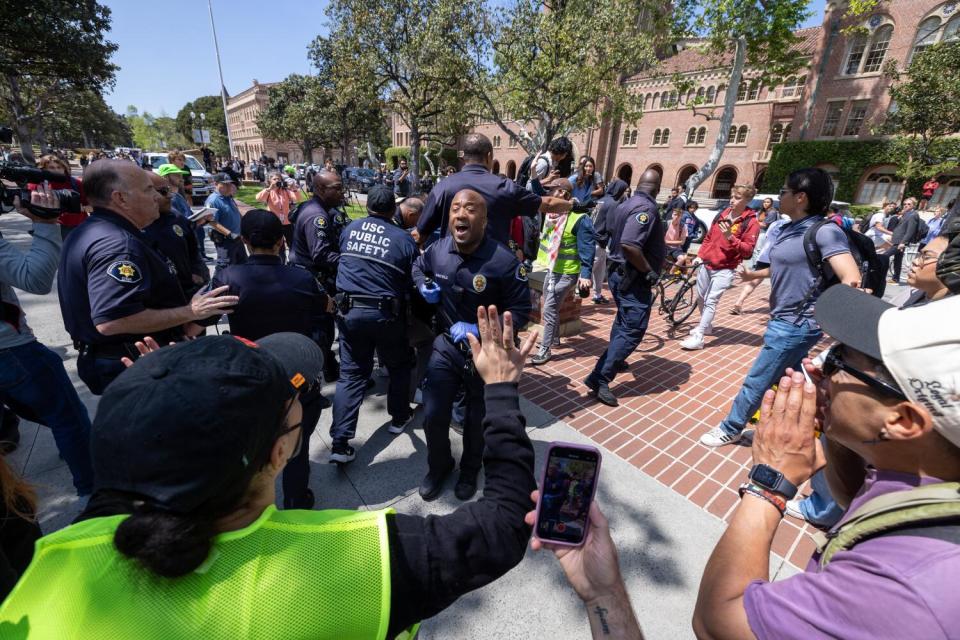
(785, 191)
(925, 258)
(833, 362)
(164, 191)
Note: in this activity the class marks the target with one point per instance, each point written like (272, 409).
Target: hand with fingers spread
(145, 346)
(784, 436)
(495, 356)
(213, 302)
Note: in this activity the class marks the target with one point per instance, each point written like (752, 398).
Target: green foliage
(291, 113)
(926, 97)
(558, 65)
(49, 48)
(862, 210)
(392, 156)
(155, 133)
(212, 108)
(852, 159)
(83, 119)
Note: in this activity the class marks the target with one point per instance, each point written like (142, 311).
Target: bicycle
(676, 291)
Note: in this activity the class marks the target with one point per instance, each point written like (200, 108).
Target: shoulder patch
(479, 283)
(642, 218)
(321, 234)
(522, 273)
(320, 222)
(125, 271)
(177, 230)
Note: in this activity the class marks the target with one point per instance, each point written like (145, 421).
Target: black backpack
(523, 173)
(872, 269)
(922, 229)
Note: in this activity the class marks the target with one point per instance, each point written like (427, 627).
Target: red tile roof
(696, 58)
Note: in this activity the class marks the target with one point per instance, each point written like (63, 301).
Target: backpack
(872, 269)
(930, 511)
(922, 229)
(523, 173)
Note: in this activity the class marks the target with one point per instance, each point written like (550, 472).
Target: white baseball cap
(920, 346)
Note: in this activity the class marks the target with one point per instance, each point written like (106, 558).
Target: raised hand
(495, 356)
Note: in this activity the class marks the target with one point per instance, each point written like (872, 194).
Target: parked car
(201, 179)
(359, 179)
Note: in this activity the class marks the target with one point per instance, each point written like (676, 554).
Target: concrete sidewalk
(664, 539)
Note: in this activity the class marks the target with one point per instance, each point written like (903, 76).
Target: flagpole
(223, 88)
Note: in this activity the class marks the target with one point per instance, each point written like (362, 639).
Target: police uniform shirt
(376, 257)
(490, 275)
(171, 236)
(635, 222)
(316, 237)
(108, 272)
(504, 199)
(274, 297)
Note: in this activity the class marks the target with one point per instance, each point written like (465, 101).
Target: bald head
(124, 188)
(649, 183)
(328, 188)
(477, 149)
(410, 210)
(468, 220)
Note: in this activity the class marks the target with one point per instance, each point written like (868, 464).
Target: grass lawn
(248, 195)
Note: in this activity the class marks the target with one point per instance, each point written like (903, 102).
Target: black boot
(432, 483)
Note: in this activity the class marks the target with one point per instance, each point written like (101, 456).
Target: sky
(166, 55)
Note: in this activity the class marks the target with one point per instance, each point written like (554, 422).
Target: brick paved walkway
(668, 398)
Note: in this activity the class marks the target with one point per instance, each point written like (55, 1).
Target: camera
(69, 199)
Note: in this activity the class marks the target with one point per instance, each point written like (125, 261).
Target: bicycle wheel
(683, 304)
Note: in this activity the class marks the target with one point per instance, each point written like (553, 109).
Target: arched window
(858, 44)
(732, 135)
(656, 100)
(948, 191)
(701, 135)
(927, 34)
(691, 135)
(691, 95)
(626, 137)
(700, 94)
(656, 137)
(511, 169)
(754, 90)
(742, 92)
(724, 182)
(666, 137)
(665, 100)
(633, 138)
(952, 31)
(742, 134)
(674, 98)
(878, 49)
(776, 135)
(786, 132)
(685, 174)
(721, 93)
(880, 184)
(711, 95)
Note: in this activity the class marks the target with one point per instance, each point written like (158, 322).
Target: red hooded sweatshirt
(719, 253)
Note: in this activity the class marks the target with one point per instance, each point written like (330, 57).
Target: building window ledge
(857, 76)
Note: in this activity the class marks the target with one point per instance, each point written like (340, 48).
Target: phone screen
(565, 496)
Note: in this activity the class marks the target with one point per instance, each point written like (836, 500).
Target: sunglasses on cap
(833, 362)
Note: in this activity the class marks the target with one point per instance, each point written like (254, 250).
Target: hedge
(393, 154)
(852, 158)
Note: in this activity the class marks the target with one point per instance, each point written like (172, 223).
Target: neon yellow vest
(568, 260)
(290, 574)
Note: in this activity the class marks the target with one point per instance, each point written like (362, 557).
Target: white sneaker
(693, 342)
(793, 509)
(707, 332)
(717, 437)
(397, 428)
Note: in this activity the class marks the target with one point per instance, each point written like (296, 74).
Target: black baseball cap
(187, 422)
(380, 200)
(223, 178)
(261, 228)
(851, 316)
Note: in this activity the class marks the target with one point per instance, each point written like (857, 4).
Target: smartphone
(568, 486)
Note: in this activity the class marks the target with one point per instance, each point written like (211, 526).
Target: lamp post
(192, 126)
(223, 87)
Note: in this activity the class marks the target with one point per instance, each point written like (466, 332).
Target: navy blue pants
(449, 370)
(296, 475)
(363, 331)
(97, 373)
(633, 315)
(229, 252)
(34, 384)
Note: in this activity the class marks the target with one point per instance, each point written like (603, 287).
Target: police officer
(318, 224)
(114, 289)
(376, 257)
(460, 272)
(637, 250)
(408, 213)
(277, 298)
(504, 199)
(227, 215)
(171, 235)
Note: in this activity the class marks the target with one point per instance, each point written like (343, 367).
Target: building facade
(840, 93)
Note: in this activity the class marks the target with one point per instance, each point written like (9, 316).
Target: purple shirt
(888, 587)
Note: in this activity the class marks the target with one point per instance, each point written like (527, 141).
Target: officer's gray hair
(102, 178)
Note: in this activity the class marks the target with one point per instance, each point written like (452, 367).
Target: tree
(83, 119)
(48, 47)
(558, 65)
(925, 118)
(155, 132)
(406, 50)
(212, 109)
(758, 34)
(291, 111)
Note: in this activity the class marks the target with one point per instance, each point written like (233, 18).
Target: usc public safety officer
(373, 284)
(463, 270)
(114, 289)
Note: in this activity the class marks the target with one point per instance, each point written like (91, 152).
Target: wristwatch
(767, 477)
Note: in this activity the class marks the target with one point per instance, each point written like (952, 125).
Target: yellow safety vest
(568, 260)
(290, 574)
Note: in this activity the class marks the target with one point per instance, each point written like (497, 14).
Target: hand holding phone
(566, 491)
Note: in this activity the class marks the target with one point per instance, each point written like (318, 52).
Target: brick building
(840, 93)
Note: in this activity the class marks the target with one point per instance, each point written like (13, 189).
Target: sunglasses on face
(834, 362)
(164, 191)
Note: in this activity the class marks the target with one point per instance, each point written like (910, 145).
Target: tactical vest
(290, 574)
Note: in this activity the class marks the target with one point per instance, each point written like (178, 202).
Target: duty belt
(110, 351)
(347, 301)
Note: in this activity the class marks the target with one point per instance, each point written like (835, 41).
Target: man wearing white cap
(889, 404)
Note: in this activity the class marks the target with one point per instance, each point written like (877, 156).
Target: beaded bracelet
(776, 500)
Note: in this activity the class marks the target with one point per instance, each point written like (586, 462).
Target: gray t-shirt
(792, 281)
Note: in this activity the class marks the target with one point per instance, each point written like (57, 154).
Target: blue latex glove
(431, 292)
(460, 330)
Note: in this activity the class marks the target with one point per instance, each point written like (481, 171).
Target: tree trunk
(414, 155)
(729, 102)
(19, 124)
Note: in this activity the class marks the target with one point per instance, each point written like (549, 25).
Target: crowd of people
(192, 431)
